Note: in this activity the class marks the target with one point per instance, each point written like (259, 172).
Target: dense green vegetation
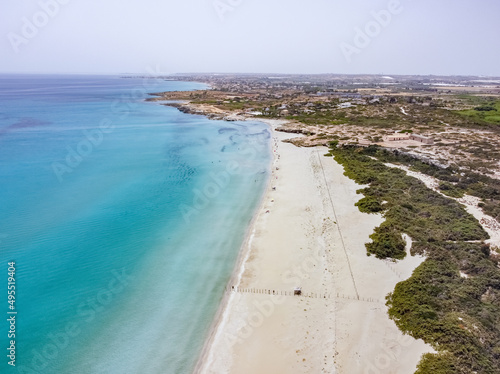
(454, 314)
(369, 204)
(387, 242)
(410, 207)
(486, 112)
(454, 182)
(452, 300)
(442, 363)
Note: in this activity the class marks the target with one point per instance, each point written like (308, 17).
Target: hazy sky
(263, 36)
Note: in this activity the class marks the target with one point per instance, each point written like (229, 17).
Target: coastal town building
(397, 137)
(401, 137)
(422, 139)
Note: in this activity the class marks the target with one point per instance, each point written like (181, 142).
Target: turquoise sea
(124, 219)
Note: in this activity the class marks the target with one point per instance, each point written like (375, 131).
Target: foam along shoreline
(308, 233)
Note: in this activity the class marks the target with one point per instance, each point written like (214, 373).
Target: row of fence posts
(393, 269)
(303, 294)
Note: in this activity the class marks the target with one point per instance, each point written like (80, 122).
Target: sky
(421, 37)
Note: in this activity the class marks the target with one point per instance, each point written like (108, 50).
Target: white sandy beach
(312, 237)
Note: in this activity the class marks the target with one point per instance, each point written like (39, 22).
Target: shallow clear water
(124, 218)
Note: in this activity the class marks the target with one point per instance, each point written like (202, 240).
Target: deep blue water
(124, 219)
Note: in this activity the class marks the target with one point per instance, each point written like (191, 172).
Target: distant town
(446, 120)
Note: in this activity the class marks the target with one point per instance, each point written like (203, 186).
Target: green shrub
(386, 242)
(485, 108)
(436, 364)
(450, 190)
(369, 204)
